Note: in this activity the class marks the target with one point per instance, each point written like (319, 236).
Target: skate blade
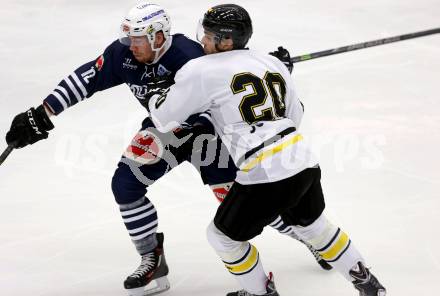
(162, 285)
(135, 291)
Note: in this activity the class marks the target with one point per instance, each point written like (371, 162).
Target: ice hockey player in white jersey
(256, 111)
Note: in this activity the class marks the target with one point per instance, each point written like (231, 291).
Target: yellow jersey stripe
(271, 152)
(248, 263)
(337, 247)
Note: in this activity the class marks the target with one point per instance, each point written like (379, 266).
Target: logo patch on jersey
(127, 64)
(151, 72)
(145, 148)
(99, 63)
(162, 71)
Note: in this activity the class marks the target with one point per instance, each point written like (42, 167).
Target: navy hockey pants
(140, 167)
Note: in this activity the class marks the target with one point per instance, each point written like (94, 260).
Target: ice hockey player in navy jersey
(145, 55)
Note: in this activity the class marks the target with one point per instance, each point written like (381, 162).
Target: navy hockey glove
(284, 56)
(29, 127)
(157, 86)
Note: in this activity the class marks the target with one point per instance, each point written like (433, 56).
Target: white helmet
(146, 19)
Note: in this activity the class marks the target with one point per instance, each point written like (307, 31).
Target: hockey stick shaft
(6, 153)
(363, 45)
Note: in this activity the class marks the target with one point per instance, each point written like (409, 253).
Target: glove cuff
(43, 118)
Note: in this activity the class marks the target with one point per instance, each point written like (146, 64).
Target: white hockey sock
(332, 243)
(241, 259)
(347, 261)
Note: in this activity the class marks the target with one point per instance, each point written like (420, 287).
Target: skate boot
(366, 282)
(315, 253)
(153, 267)
(270, 288)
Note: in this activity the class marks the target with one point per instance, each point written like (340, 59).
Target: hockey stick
(6, 153)
(363, 45)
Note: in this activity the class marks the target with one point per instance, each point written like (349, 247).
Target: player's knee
(239, 257)
(126, 188)
(219, 241)
(118, 187)
(146, 148)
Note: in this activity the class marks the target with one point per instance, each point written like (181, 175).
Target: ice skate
(366, 282)
(270, 288)
(153, 268)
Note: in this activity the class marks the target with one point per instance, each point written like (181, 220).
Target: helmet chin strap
(157, 51)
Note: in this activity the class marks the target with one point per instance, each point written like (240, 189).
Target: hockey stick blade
(6, 153)
(363, 45)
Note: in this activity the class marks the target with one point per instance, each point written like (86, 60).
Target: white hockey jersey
(254, 108)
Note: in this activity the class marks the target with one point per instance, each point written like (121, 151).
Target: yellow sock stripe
(336, 248)
(271, 152)
(246, 264)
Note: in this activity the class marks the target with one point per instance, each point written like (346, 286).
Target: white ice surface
(373, 116)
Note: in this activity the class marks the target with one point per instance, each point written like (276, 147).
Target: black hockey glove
(29, 127)
(157, 86)
(284, 56)
(192, 130)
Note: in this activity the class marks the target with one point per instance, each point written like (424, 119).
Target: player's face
(208, 43)
(141, 49)
(211, 45)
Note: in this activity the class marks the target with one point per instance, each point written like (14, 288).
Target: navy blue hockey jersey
(117, 65)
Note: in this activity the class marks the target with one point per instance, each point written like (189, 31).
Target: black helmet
(229, 21)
